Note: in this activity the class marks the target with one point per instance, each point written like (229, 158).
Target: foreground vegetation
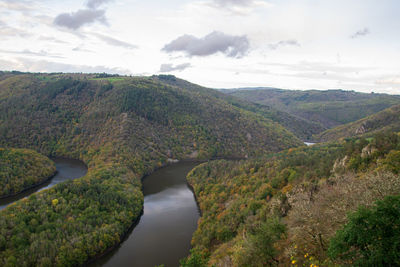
(329, 108)
(122, 128)
(291, 208)
(21, 169)
(371, 237)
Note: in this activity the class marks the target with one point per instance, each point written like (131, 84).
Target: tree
(371, 237)
(194, 260)
(259, 247)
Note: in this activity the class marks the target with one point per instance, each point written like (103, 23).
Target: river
(163, 234)
(66, 169)
(164, 231)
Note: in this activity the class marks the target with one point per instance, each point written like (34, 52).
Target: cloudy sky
(296, 44)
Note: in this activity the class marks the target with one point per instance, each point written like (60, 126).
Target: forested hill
(45, 109)
(328, 108)
(387, 120)
(303, 129)
(21, 169)
(122, 128)
(299, 207)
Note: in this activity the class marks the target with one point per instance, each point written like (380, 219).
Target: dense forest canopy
(387, 120)
(268, 207)
(285, 208)
(328, 108)
(122, 128)
(21, 169)
(302, 128)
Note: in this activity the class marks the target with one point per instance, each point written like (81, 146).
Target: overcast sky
(295, 44)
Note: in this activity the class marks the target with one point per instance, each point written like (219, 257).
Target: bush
(392, 161)
(195, 260)
(371, 237)
(259, 247)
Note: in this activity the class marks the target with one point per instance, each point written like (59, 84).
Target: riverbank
(21, 169)
(66, 169)
(170, 214)
(28, 188)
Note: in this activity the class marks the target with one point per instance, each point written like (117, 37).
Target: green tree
(258, 248)
(194, 260)
(371, 237)
(392, 161)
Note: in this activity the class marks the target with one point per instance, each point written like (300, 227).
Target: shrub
(371, 237)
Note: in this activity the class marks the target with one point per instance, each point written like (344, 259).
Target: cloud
(360, 33)
(290, 42)
(24, 64)
(395, 80)
(22, 6)
(170, 67)
(77, 19)
(8, 31)
(227, 3)
(114, 42)
(318, 67)
(93, 4)
(89, 15)
(27, 52)
(238, 7)
(82, 49)
(51, 39)
(230, 45)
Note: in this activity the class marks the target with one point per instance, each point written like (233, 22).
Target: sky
(293, 44)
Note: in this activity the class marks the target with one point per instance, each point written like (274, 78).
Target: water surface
(66, 169)
(165, 229)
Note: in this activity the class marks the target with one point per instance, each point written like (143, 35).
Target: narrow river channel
(66, 169)
(165, 229)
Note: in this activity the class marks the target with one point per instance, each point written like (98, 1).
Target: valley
(199, 133)
(122, 129)
(263, 193)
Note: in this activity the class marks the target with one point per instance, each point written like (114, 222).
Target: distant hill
(122, 128)
(387, 120)
(302, 128)
(328, 108)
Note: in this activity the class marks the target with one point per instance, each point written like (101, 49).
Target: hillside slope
(283, 209)
(328, 108)
(22, 168)
(122, 128)
(386, 120)
(300, 127)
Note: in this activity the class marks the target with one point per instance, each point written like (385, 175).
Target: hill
(122, 128)
(328, 108)
(284, 209)
(387, 120)
(21, 169)
(300, 127)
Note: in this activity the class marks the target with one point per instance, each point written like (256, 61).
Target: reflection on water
(165, 229)
(66, 169)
